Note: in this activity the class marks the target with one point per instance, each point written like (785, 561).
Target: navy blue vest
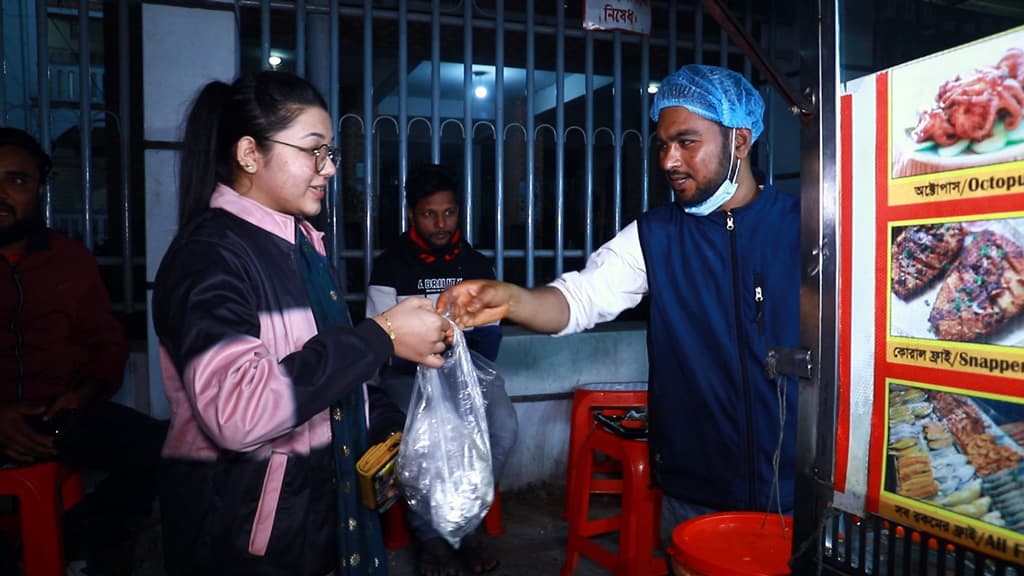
(714, 412)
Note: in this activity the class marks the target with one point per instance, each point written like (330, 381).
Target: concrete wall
(540, 373)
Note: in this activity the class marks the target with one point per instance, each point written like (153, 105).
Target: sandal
(437, 559)
(476, 555)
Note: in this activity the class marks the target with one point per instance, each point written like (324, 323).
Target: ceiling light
(274, 61)
(652, 88)
(480, 92)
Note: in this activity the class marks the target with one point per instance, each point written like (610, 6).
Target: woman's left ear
(743, 142)
(247, 154)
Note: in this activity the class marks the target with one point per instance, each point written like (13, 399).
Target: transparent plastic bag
(486, 373)
(444, 464)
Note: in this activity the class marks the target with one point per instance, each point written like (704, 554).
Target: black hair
(21, 139)
(257, 105)
(428, 180)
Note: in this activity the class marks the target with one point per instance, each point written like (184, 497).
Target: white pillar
(182, 50)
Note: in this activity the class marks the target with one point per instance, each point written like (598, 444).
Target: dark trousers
(120, 447)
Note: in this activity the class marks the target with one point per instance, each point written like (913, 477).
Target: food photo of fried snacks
(914, 475)
(952, 455)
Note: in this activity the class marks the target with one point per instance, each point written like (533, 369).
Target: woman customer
(262, 368)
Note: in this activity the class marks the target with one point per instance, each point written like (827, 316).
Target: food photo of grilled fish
(983, 291)
(921, 254)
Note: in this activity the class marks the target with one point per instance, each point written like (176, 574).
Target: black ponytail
(198, 170)
(256, 105)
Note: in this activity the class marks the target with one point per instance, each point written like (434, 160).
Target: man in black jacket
(426, 260)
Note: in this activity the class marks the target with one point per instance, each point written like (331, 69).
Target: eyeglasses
(321, 154)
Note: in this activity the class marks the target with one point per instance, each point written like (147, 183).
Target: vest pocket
(266, 510)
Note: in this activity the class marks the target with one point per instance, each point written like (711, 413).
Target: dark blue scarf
(360, 543)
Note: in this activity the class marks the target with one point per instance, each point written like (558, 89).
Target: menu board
(947, 442)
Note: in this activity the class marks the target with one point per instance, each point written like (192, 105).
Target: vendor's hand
(477, 302)
(18, 441)
(419, 333)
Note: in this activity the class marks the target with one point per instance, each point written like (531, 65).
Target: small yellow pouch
(376, 468)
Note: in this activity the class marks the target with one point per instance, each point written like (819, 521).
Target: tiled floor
(533, 545)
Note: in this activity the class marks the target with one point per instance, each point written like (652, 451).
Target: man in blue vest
(720, 266)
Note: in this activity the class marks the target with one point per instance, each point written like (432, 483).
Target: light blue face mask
(726, 190)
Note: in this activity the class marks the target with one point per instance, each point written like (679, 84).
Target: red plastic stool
(44, 491)
(585, 400)
(396, 531)
(639, 517)
(494, 522)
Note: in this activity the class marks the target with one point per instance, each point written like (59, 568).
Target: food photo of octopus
(974, 120)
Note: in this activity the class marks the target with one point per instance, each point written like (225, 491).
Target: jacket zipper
(730, 225)
(759, 302)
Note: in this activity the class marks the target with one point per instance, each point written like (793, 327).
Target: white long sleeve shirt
(614, 279)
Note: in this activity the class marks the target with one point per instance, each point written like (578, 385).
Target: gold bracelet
(389, 329)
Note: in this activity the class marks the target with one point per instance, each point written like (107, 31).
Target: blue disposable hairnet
(717, 94)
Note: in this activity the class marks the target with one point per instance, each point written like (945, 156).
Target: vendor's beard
(20, 230)
(708, 189)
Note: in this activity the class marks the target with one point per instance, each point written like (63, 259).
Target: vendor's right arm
(614, 280)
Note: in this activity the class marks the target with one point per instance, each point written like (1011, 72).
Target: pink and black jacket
(248, 482)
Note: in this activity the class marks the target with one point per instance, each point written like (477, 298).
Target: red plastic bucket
(732, 544)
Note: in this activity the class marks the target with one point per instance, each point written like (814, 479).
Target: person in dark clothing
(264, 370)
(431, 256)
(62, 357)
(721, 269)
